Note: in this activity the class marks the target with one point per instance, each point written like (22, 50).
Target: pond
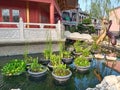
(78, 81)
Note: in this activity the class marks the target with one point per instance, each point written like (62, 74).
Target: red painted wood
(43, 1)
(51, 13)
(34, 13)
(57, 7)
(37, 10)
(13, 5)
(0, 14)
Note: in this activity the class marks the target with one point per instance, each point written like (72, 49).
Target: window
(66, 16)
(6, 15)
(15, 15)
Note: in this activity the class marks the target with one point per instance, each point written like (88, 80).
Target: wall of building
(36, 12)
(115, 17)
(13, 4)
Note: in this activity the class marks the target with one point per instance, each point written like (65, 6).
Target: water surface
(78, 81)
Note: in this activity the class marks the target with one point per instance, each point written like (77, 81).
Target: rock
(78, 36)
(67, 33)
(118, 78)
(111, 82)
(16, 89)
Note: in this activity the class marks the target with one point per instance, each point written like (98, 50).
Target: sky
(85, 6)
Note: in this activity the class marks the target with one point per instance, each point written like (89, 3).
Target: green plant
(86, 52)
(48, 50)
(55, 59)
(14, 67)
(28, 59)
(81, 61)
(47, 53)
(81, 28)
(76, 44)
(61, 48)
(94, 46)
(91, 29)
(72, 29)
(86, 21)
(61, 70)
(78, 49)
(36, 67)
(66, 54)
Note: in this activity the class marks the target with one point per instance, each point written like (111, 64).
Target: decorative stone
(111, 82)
(78, 36)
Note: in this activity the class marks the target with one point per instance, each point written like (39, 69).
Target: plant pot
(67, 60)
(82, 68)
(37, 74)
(89, 57)
(77, 53)
(95, 51)
(50, 66)
(99, 56)
(111, 58)
(44, 61)
(62, 78)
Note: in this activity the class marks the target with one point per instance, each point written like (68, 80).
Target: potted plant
(95, 48)
(13, 68)
(28, 59)
(67, 57)
(36, 69)
(77, 48)
(111, 56)
(46, 55)
(86, 53)
(82, 64)
(61, 73)
(55, 60)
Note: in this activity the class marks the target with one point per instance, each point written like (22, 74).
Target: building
(69, 17)
(37, 11)
(31, 22)
(114, 15)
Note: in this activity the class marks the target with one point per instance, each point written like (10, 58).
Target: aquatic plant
(61, 70)
(36, 67)
(14, 67)
(81, 61)
(55, 59)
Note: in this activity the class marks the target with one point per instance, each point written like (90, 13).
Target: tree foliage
(101, 8)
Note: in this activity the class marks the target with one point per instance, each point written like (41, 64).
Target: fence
(23, 31)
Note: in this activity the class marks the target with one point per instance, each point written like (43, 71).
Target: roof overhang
(67, 4)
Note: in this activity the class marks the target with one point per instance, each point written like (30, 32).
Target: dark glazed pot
(62, 78)
(67, 60)
(37, 74)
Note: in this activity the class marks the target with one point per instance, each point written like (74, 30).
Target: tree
(101, 8)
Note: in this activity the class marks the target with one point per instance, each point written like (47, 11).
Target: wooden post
(27, 11)
(52, 13)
